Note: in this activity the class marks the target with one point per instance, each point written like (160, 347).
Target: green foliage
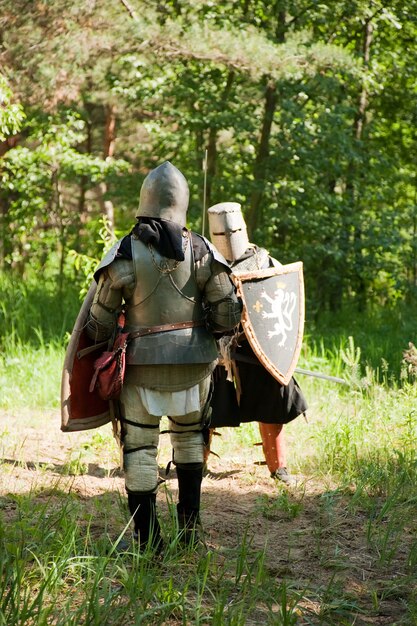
(39, 181)
(11, 114)
(85, 265)
(35, 313)
(311, 109)
(380, 334)
(307, 113)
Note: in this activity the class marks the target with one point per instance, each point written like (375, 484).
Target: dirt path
(311, 537)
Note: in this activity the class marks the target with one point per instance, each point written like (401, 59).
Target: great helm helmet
(228, 229)
(164, 194)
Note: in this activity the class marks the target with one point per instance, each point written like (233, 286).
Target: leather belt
(163, 328)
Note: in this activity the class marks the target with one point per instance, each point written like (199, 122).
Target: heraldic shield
(80, 408)
(273, 316)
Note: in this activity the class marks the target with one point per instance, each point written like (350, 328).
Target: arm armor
(223, 307)
(116, 282)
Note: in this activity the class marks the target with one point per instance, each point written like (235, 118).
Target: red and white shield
(80, 408)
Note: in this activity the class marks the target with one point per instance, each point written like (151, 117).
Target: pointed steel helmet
(165, 194)
(228, 229)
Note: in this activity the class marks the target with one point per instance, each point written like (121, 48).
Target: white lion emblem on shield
(282, 307)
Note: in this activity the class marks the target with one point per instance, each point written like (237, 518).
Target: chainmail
(257, 261)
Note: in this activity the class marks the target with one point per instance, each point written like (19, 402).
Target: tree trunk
(212, 142)
(211, 163)
(254, 215)
(253, 218)
(3, 232)
(359, 124)
(363, 98)
(414, 242)
(108, 152)
(82, 212)
(62, 230)
(7, 144)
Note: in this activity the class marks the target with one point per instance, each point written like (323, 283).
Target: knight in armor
(176, 292)
(261, 397)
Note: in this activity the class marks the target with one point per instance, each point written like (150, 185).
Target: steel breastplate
(166, 292)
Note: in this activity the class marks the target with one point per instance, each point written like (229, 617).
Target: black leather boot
(147, 529)
(189, 476)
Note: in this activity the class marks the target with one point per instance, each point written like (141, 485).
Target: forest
(305, 113)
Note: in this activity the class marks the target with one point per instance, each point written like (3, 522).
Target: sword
(298, 370)
(332, 379)
(204, 193)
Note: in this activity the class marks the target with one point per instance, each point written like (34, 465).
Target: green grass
(35, 311)
(30, 374)
(35, 321)
(381, 334)
(55, 571)
(357, 454)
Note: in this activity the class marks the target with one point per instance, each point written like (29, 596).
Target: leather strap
(163, 328)
(90, 349)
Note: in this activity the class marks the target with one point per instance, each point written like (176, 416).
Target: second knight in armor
(262, 397)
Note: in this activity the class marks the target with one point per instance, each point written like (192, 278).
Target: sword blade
(332, 379)
(298, 370)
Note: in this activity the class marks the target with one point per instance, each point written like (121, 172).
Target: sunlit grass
(58, 562)
(30, 375)
(55, 570)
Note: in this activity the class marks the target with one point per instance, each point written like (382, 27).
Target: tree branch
(129, 10)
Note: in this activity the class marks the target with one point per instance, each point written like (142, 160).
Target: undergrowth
(358, 448)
